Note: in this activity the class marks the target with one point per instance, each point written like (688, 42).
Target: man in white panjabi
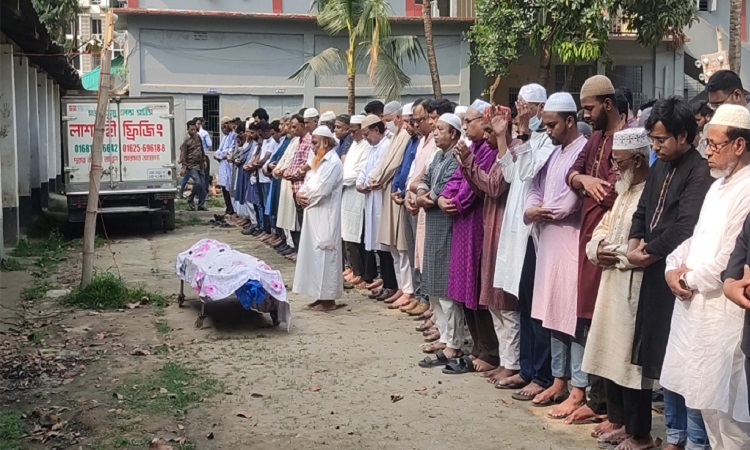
(610, 341)
(704, 362)
(318, 272)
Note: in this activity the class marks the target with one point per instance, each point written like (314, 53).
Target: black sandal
(439, 360)
(459, 366)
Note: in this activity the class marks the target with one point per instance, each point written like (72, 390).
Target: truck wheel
(155, 221)
(169, 218)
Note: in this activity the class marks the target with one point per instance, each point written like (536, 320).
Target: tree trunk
(350, 93)
(493, 89)
(545, 63)
(735, 35)
(569, 72)
(431, 60)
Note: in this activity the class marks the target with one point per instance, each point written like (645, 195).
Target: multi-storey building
(89, 29)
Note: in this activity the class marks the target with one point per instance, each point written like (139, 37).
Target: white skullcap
(356, 120)
(324, 131)
(560, 102)
(310, 113)
(408, 109)
(479, 106)
(460, 110)
(734, 116)
(392, 108)
(452, 120)
(533, 93)
(369, 120)
(327, 116)
(632, 139)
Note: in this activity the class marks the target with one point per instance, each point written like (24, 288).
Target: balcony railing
(456, 8)
(620, 26)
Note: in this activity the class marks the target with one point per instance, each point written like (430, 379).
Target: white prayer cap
(408, 109)
(560, 102)
(392, 108)
(533, 93)
(369, 120)
(734, 116)
(452, 120)
(310, 113)
(632, 139)
(479, 106)
(356, 120)
(325, 132)
(327, 116)
(225, 119)
(460, 110)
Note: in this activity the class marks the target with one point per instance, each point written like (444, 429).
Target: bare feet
(451, 352)
(413, 303)
(482, 366)
(376, 283)
(559, 387)
(503, 374)
(355, 280)
(426, 325)
(532, 390)
(583, 413)
(615, 436)
(604, 427)
(401, 301)
(432, 348)
(513, 378)
(633, 443)
(324, 305)
(432, 336)
(396, 295)
(575, 400)
(347, 272)
(492, 372)
(420, 309)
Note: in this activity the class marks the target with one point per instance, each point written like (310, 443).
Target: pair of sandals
(453, 366)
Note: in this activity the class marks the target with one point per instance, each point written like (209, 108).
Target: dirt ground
(327, 383)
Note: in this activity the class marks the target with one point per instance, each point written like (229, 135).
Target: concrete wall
(248, 63)
(247, 6)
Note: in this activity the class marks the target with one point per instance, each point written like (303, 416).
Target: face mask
(535, 123)
(390, 126)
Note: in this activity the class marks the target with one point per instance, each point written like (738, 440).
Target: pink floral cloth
(215, 270)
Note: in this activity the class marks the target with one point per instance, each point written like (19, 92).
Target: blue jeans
(567, 357)
(183, 183)
(199, 186)
(535, 339)
(685, 426)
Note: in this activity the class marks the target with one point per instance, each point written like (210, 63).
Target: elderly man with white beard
(610, 341)
(704, 361)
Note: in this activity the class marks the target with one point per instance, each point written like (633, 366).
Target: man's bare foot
(347, 272)
(492, 372)
(411, 304)
(633, 443)
(451, 352)
(504, 374)
(432, 348)
(514, 378)
(583, 413)
(482, 366)
(530, 391)
(604, 427)
(396, 295)
(324, 305)
(313, 304)
(559, 387)
(418, 310)
(575, 400)
(401, 301)
(433, 335)
(376, 283)
(614, 436)
(355, 280)
(362, 285)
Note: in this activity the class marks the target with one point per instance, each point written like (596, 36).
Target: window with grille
(631, 77)
(96, 26)
(211, 114)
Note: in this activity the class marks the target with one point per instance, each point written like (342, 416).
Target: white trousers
(449, 318)
(725, 433)
(289, 240)
(508, 331)
(403, 270)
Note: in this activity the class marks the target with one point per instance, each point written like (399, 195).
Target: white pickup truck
(139, 161)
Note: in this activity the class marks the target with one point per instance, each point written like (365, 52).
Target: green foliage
(56, 14)
(498, 36)
(108, 291)
(37, 291)
(576, 30)
(367, 26)
(12, 430)
(655, 20)
(54, 244)
(11, 265)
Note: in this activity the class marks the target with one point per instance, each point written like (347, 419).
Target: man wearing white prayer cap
(553, 209)
(447, 313)
(516, 254)
(318, 271)
(390, 227)
(311, 116)
(592, 176)
(460, 111)
(707, 325)
(327, 118)
(609, 345)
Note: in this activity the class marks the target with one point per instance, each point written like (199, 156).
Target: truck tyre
(155, 221)
(169, 217)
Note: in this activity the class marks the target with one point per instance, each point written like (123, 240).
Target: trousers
(567, 357)
(227, 200)
(410, 231)
(629, 407)
(402, 269)
(482, 330)
(725, 433)
(449, 318)
(199, 186)
(508, 331)
(387, 270)
(685, 426)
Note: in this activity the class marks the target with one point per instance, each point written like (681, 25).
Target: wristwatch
(683, 282)
(524, 137)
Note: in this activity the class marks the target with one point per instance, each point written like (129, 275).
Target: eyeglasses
(619, 162)
(659, 141)
(716, 147)
(468, 121)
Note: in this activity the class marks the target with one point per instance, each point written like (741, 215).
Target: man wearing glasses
(725, 87)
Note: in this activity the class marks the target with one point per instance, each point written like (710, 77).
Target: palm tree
(368, 29)
(735, 35)
(431, 60)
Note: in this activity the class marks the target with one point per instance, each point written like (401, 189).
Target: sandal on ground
(459, 366)
(439, 360)
(556, 400)
(499, 385)
(522, 397)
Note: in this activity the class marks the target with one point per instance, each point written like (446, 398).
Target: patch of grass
(43, 227)
(163, 327)
(54, 244)
(185, 387)
(162, 349)
(36, 338)
(193, 220)
(108, 291)
(11, 265)
(180, 205)
(12, 430)
(36, 292)
(215, 202)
